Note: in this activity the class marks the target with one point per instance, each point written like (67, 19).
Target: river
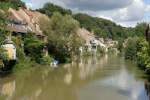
(93, 78)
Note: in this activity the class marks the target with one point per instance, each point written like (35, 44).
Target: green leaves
(62, 35)
(143, 55)
(131, 48)
(3, 55)
(49, 9)
(138, 49)
(6, 4)
(33, 48)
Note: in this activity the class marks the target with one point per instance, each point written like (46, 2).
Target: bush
(46, 60)
(63, 41)
(3, 55)
(139, 50)
(131, 48)
(143, 53)
(33, 48)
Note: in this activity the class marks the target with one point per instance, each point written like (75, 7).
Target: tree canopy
(61, 31)
(50, 8)
(5, 4)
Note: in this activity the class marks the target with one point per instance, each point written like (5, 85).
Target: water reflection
(7, 89)
(147, 87)
(103, 78)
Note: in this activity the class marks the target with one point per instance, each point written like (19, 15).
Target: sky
(124, 12)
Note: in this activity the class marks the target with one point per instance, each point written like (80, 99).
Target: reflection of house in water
(24, 21)
(68, 76)
(7, 89)
(88, 66)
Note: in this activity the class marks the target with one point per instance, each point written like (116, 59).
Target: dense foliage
(143, 54)
(33, 48)
(62, 38)
(5, 4)
(138, 50)
(131, 48)
(108, 29)
(50, 8)
(101, 27)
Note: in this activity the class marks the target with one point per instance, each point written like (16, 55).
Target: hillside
(100, 26)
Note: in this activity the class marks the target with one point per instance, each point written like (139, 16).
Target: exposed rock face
(86, 35)
(24, 20)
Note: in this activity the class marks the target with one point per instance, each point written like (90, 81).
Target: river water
(93, 78)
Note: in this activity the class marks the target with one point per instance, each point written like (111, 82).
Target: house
(10, 49)
(111, 43)
(91, 42)
(24, 21)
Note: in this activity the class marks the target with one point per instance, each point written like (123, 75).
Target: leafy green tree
(62, 36)
(143, 53)
(50, 8)
(140, 29)
(131, 48)
(33, 47)
(5, 4)
(3, 20)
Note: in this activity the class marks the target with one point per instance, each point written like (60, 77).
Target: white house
(10, 48)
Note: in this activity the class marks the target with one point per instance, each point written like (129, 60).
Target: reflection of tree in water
(88, 66)
(147, 87)
(63, 83)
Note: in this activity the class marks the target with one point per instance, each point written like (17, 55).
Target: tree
(49, 9)
(62, 36)
(140, 29)
(143, 53)
(131, 48)
(5, 4)
(33, 47)
(3, 20)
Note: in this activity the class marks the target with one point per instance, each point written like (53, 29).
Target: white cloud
(147, 8)
(133, 12)
(39, 3)
(129, 15)
(96, 5)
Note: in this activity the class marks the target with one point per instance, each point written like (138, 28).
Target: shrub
(33, 48)
(131, 48)
(143, 53)
(46, 60)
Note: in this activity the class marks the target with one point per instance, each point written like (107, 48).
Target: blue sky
(123, 12)
(147, 1)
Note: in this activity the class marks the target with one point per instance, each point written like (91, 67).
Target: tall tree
(62, 36)
(50, 8)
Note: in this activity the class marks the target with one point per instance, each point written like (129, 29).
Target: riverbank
(137, 49)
